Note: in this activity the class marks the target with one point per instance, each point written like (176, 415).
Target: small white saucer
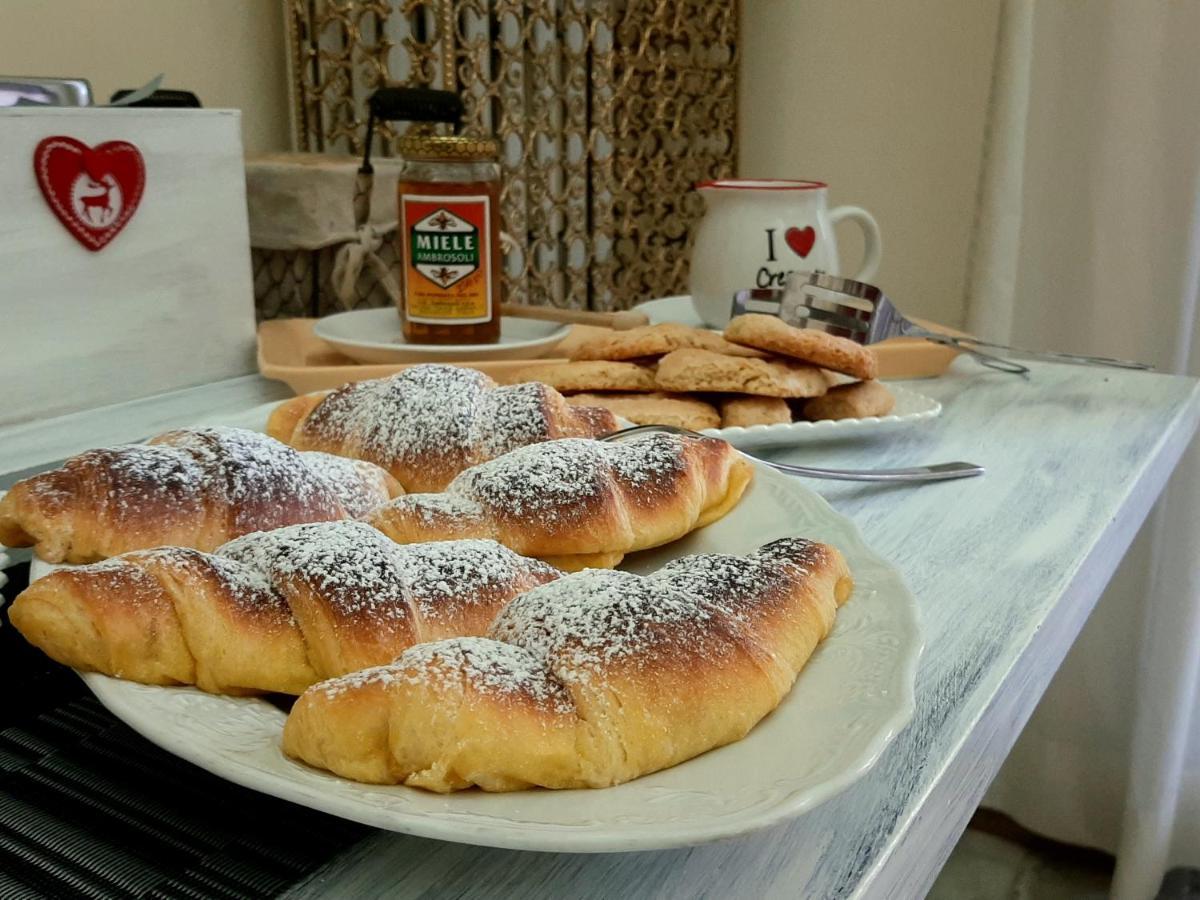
(374, 336)
(671, 309)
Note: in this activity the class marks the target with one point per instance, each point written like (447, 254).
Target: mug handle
(872, 240)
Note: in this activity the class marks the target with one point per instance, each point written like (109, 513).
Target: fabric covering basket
(309, 256)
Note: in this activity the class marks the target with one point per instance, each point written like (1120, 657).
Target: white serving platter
(671, 309)
(375, 336)
(847, 705)
(911, 409)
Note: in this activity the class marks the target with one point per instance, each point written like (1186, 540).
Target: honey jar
(449, 235)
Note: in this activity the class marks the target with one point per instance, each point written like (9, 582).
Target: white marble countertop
(1006, 569)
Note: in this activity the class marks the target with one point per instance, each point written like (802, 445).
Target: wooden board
(288, 351)
(167, 305)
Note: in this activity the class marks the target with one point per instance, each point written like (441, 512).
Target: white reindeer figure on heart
(96, 203)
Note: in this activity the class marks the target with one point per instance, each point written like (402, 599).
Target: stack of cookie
(761, 372)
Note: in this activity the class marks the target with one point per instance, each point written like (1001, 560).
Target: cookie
(742, 412)
(657, 340)
(703, 370)
(590, 376)
(851, 401)
(655, 409)
(770, 333)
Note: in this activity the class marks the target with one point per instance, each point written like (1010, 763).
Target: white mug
(755, 233)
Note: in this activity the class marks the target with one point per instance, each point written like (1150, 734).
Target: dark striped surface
(88, 808)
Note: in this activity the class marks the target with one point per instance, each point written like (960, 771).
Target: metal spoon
(936, 472)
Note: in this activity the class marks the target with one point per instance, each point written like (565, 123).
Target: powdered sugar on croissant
(270, 611)
(429, 422)
(193, 488)
(588, 681)
(579, 503)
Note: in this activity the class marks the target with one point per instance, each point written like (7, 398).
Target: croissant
(271, 611)
(193, 488)
(429, 422)
(592, 680)
(578, 503)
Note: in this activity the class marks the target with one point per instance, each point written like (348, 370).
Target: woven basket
(302, 222)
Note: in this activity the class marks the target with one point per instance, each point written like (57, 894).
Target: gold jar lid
(453, 147)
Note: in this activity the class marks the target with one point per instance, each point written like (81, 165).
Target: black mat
(88, 808)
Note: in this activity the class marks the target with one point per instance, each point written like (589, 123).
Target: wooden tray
(288, 351)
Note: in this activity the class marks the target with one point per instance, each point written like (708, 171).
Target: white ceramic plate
(910, 409)
(5, 561)
(672, 309)
(374, 336)
(849, 702)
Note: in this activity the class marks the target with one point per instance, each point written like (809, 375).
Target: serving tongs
(864, 314)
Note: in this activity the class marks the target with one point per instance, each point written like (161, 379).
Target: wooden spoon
(618, 321)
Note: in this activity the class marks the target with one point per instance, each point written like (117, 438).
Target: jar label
(447, 272)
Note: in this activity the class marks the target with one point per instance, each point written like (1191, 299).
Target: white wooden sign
(167, 303)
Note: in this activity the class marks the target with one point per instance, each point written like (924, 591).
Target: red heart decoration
(93, 190)
(801, 240)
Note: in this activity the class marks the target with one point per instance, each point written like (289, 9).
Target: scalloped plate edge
(311, 788)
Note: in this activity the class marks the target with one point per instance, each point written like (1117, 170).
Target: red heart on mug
(801, 240)
(93, 190)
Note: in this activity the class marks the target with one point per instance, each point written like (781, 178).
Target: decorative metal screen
(607, 114)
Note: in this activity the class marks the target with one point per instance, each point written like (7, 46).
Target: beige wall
(229, 52)
(886, 101)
